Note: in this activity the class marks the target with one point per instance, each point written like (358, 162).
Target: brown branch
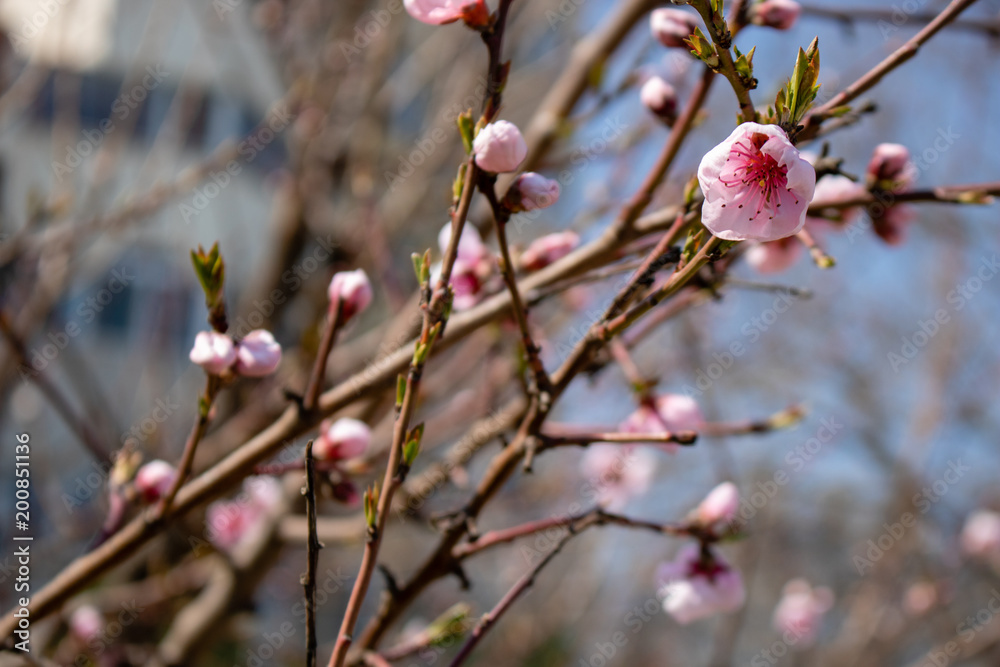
(312, 548)
(315, 385)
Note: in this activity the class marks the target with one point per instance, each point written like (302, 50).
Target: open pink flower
(981, 534)
(439, 12)
(352, 290)
(548, 249)
(499, 147)
(779, 14)
(617, 473)
(800, 612)
(756, 185)
(343, 439)
(258, 354)
(696, 585)
(154, 480)
(774, 256)
(672, 26)
(719, 506)
(213, 351)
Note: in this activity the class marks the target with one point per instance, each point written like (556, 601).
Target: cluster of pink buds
(232, 522)
(800, 612)
(981, 535)
(756, 185)
(889, 171)
(473, 266)
(475, 13)
(342, 440)
(699, 583)
(778, 14)
(499, 147)
(153, 480)
(257, 355)
(351, 292)
(667, 413)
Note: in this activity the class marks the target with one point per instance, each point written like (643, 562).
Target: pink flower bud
(213, 351)
(774, 256)
(86, 623)
(891, 168)
(343, 439)
(694, 588)
(800, 611)
(548, 249)
(439, 12)
(780, 14)
(531, 192)
(499, 147)
(154, 480)
(660, 97)
(672, 26)
(981, 534)
(756, 185)
(719, 506)
(352, 290)
(258, 354)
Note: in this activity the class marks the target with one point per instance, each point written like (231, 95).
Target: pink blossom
(86, 623)
(834, 188)
(981, 534)
(352, 290)
(154, 480)
(343, 439)
(531, 192)
(780, 14)
(800, 612)
(774, 256)
(617, 473)
(696, 585)
(891, 226)
(258, 354)
(213, 351)
(756, 185)
(668, 413)
(439, 12)
(719, 506)
(499, 147)
(672, 26)
(659, 97)
(473, 265)
(891, 168)
(231, 522)
(548, 249)
(920, 598)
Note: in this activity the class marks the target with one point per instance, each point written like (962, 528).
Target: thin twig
(315, 385)
(313, 546)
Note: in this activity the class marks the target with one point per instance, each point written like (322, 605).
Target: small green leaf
(466, 128)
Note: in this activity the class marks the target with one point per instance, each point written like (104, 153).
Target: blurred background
(117, 122)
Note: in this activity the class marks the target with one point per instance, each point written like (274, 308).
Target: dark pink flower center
(762, 182)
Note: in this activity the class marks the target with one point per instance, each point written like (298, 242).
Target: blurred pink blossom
(499, 147)
(345, 438)
(154, 480)
(780, 14)
(531, 192)
(439, 12)
(258, 354)
(774, 256)
(694, 587)
(756, 185)
(213, 351)
(800, 611)
(659, 97)
(668, 413)
(719, 506)
(548, 249)
(617, 473)
(981, 534)
(86, 623)
(835, 187)
(890, 166)
(230, 522)
(672, 26)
